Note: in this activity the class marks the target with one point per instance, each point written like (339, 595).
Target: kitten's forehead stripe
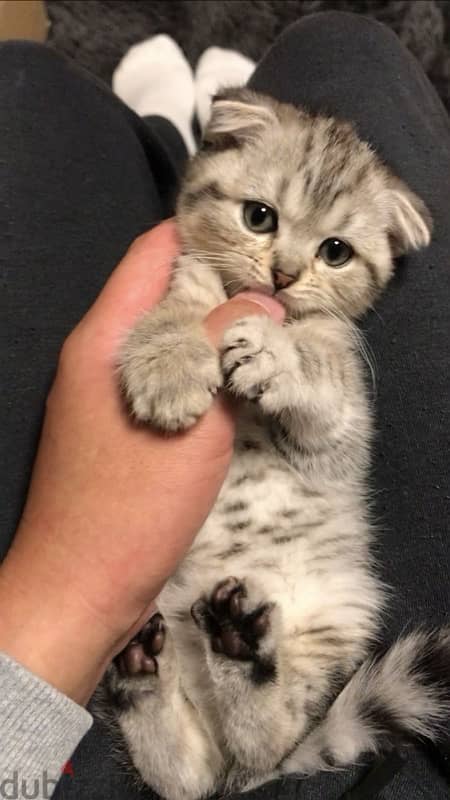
(345, 221)
(307, 148)
(284, 187)
(308, 179)
(209, 190)
(335, 196)
(220, 144)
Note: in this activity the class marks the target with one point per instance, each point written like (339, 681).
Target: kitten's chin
(298, 306)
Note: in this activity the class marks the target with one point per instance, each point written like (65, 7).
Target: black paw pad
(229, 371)
(241, 342)
(233, 632)
(138, 657)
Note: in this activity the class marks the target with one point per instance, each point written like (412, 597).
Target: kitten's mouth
(296, 307)
(260, 288)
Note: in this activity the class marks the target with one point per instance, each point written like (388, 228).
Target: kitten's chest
(259, 524)
(263, 495)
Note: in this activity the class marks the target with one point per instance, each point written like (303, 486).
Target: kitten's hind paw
(238, 626)
(147, 667)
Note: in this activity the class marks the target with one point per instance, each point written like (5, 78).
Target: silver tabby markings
(261, 665)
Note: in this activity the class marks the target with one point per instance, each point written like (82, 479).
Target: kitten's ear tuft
(411, 223)
(238, 116)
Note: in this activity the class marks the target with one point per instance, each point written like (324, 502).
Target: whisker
(357, 336)
(377, 314)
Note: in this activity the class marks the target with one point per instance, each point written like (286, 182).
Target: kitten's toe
(248, 363)
(147, 667)
(133, 661)
(235, 628)
(138, 658)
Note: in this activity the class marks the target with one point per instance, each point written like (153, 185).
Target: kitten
(259, 666)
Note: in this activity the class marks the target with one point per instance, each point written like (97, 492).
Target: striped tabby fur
(270, 620)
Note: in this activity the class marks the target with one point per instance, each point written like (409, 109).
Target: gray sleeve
(40, 727)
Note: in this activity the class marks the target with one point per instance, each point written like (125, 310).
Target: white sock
(216, 69)
(155, 78)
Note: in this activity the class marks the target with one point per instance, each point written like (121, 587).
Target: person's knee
(22, 60)
(339, 29)
(15, 50)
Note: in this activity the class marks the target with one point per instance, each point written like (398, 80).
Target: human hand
(112, 506)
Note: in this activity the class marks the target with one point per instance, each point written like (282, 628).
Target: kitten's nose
(281, 280)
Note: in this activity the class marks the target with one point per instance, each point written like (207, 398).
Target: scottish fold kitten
(260, 663)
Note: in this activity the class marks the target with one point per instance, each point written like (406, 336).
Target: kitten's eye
(259, 217)
(335, 252)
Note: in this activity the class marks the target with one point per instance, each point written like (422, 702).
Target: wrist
(51, 631)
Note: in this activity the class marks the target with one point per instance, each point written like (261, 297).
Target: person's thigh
(335, 63)
(355, 68)
(80, 177)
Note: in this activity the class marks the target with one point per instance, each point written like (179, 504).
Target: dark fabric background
(69, 124)
(98, 32)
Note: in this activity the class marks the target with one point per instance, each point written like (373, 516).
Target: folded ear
(411, 224)
(238, 116)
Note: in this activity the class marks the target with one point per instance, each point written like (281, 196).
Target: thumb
(242, 305)
(210, 442)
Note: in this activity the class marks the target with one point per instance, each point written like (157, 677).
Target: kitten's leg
(306, 376)
(170, 371)
(242, 637)
(166, 740)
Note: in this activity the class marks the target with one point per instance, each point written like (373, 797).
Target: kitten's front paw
(170, 379)
(256, 360)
